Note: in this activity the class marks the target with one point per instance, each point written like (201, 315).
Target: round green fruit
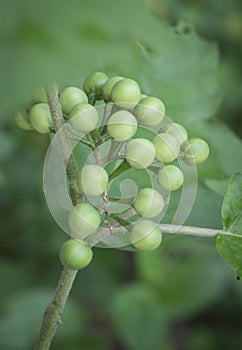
(70, 97)
(140, 153)
(92, 180)
(167, 147)
(122, 125)
(196, 151)
(75, 255)
(170, 177)
(40, 118)
(149, 203)
(176, 130)
(94, 83)
(146, 235)
(107, 87)
(22, 121)
(150, 111)
(84, 117)
(126, 93)
(84, 219)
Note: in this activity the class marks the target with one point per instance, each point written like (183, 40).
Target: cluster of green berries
(129, 111)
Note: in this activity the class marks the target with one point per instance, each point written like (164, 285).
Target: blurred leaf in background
(183, 296)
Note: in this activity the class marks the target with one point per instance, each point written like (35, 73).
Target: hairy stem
(52, 316)
(65, 146)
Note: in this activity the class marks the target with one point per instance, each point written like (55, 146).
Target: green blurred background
(182, 296)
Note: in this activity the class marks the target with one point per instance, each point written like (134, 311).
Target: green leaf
(230, 247)
(186, 274)
(183, 74)
(218, 186)
(138, 317)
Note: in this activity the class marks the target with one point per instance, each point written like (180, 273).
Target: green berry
(166, 146)
(140, 153)
(93, 180)
(40, 118)
(22, 121)
(122, 125)
(84, 219)
(150, 111)
(107, 87)
(170, 177)
(75, 255)
(94, 83)
(126, 93)
(149, 203)
(196, 151)
(146, 235)
(84, 117)
(70, 97)
(176, 130)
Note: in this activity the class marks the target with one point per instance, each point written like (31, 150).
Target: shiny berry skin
(167, 147)
(94, 83)
(148, 203)
(178, 131)
(107, 87)
(92, 180)
(40, 118)
(126, 93)
(122, 125)
(150, 111)
(75, 255)
(140, 153)
(146, 235)
(84, 117)
(70, 97)
(84, 219)
(170, 177)
(196, 151)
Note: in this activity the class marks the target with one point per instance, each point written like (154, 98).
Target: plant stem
(52, 316)
(170, 229)
(65, 146)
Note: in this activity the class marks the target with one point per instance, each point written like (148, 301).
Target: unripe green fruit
(150, 111)
(166, 146)
(176, 130)
(92, 180)
(40, 96)
(22, 121)
(94, 83)
(140, 153)
(107, 87)
(196, 151)
(70, 97)
(170, 177)
(126, 93)
(146, 235)
(122, 125)
(149, 203)
(84, 219)
(75, 255)
(40, 118)
(84, 117)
